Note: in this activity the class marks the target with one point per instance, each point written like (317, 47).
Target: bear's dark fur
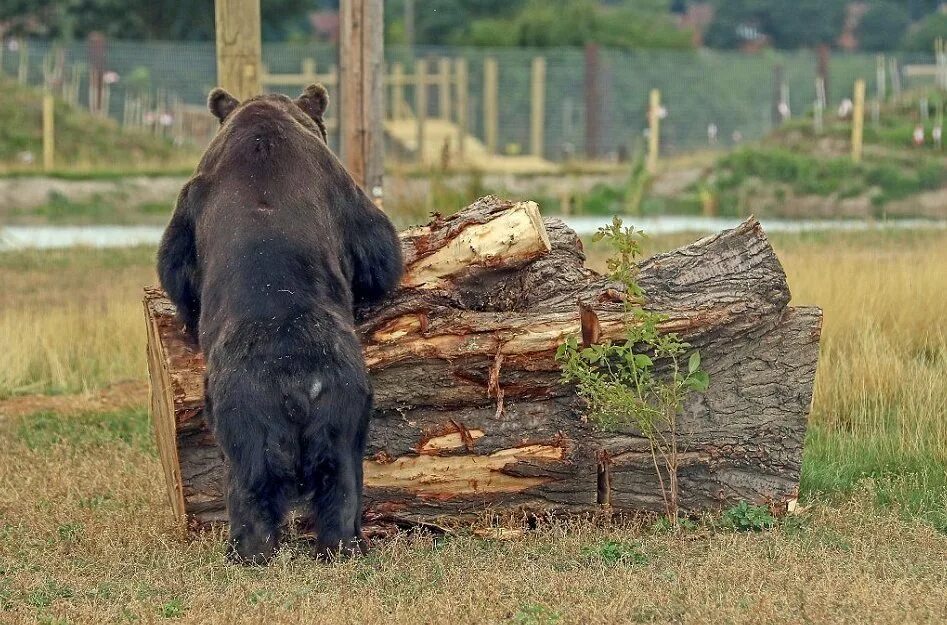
(270, 246)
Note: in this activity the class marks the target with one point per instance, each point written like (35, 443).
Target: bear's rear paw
(251, 551)
(342, 550)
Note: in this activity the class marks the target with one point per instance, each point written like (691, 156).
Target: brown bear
(271, 245)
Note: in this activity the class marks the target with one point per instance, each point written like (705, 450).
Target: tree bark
(470, 413)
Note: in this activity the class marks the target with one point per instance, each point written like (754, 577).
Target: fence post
(23, 70)
(490, 78)
(309, 71)
(238, 35)
(537, 106)
(654, 130)
(443, 88)
(49, 132)
(881, 78)
(895, 78)
(776, 109)
(397, 91)
(361, 87)
(592, 101)
(420, 103)
(460, 73)
(858, 120)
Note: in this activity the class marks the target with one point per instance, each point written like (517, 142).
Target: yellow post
(654, 130)
(397, 91)
(490, 90)
(537, 116)
(49, 132)
(858, 120)
(420, 103)
(460, 71)
(239, 47)
(443, 88)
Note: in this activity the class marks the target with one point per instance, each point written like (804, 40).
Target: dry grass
(86, 535)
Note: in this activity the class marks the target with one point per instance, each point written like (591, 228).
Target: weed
(611, 552)
(745, 517)
(620, 381)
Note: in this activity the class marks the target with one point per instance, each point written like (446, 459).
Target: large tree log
(470, 412)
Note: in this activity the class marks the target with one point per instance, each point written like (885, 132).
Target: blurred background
(506, 92)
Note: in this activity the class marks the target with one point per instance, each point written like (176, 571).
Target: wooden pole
(593, 101)
(420, 104)
(49, 132)
(654, 130)
(23, 71)
(881, 78)
(537, 106)
(239, 47)
(460, 72)
(490, 91)
(361, 110)
(858, 120)
(443, 88)
(397, 91)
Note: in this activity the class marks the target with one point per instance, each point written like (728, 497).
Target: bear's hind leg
(261, 454)
(332, 463)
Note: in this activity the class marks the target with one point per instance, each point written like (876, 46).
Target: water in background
(51, 237)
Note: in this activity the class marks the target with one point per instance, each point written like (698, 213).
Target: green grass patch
(43, 430)
(838, 463)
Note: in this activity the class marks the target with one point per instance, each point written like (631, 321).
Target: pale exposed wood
(361, 56)
(239, 47)
(443, 445)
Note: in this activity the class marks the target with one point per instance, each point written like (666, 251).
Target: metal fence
(594, 103)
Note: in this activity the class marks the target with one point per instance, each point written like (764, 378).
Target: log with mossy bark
(470, 411)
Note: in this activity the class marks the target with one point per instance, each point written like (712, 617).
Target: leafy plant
(612, 552)
(745, 517)
(534, 614)
(622, 382)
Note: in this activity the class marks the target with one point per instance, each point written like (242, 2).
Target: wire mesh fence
(595, 103)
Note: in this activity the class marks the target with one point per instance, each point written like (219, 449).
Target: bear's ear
(314, 101)
(221, 103)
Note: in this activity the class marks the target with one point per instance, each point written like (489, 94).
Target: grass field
(86, 535)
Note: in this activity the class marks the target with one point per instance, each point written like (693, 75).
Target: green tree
(801, 23)
(137, 19)
(922, 38)
(883, 26)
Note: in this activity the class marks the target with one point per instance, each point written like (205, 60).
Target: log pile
(470, 414)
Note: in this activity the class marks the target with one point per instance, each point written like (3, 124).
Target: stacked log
(470, 412)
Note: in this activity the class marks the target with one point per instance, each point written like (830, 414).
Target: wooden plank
(361, 109)
(239, 47)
